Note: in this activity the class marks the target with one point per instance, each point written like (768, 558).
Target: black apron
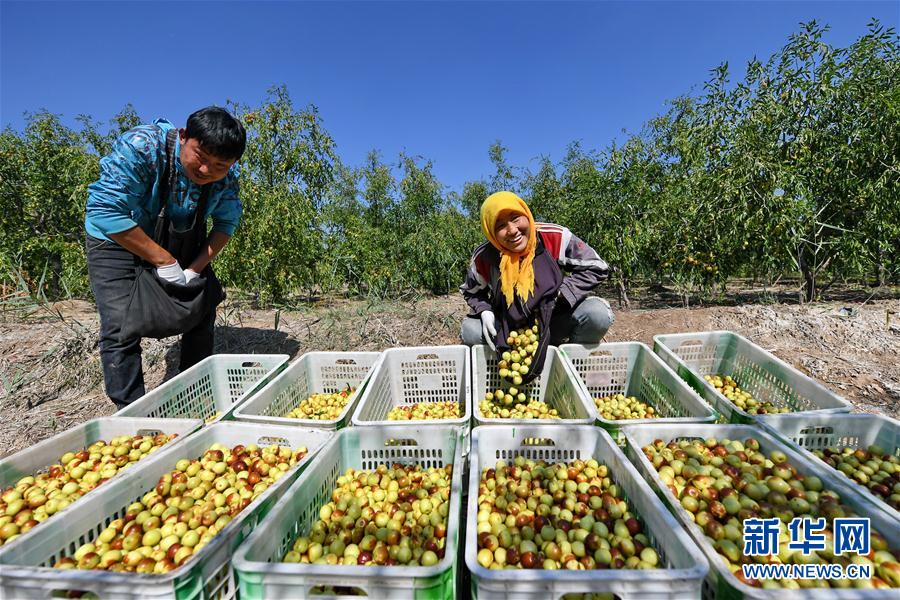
(158, 308)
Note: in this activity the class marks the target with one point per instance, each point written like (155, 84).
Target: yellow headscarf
(516, 270)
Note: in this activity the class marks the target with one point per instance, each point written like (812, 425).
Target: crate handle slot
(691, 343)
(401, 442)
(268, 440)
(152, 432)
(601, 353)
(817, 430)
(251, 364)
(67, 592)
(345, 361)
(534, 441)
(429, 356)
(333, 591)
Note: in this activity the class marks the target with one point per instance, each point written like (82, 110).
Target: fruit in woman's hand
(721, 483)
(515, 363)
(728, 387)
(394, 515)
(35, 498)
(186, 509)
(620, 407)
(509, 402)
(871, 467)
(322, 407)
(424, 411)
(537, 515)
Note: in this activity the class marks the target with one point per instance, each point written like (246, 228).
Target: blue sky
(438, 79)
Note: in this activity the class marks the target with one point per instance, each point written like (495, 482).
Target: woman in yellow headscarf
(516, 278)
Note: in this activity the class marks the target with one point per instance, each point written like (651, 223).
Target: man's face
(200, 166)
(512, 230)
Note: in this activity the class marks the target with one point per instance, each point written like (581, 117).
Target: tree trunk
(55, 272)
(807, 291)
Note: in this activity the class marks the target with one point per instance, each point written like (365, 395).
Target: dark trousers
(586, 324)
(111, 269)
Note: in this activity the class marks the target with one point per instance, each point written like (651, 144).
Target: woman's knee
(594, 317)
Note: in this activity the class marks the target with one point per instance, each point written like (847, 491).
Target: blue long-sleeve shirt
(127, 193)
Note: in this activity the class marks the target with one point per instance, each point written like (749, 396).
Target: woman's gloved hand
(172, 273)
(489, 328)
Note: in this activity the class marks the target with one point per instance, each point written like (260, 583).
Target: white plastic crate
(44, 454)
(26, 565)
(556, 385)
(762, 374)
(406, 376)
(257, 563)
(312, 373)
(683, 566)
(632, 369)
(210, 389)
(817, 432)
(721, 584)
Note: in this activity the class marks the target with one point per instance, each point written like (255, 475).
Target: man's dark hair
(217, 132)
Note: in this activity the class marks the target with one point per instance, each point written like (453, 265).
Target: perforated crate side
(756, 371)
(817, 432)
(407, 376)
(604, 369)
(209, 389)
(314, 372)
(632, 369)
(685, 565)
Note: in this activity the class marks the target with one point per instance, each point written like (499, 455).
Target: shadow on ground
(239, 340)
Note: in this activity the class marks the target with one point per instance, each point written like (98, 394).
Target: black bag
(157, 308)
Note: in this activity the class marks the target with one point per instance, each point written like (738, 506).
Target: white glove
(489, 329)
(171, 273)
(190, 275)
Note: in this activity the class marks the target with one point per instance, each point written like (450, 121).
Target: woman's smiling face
(512, 230)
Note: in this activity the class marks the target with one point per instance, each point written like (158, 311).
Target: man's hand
(172, 273)
(489, 329)
(190, 275)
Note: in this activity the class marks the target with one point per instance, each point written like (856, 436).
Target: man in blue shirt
(122, 209)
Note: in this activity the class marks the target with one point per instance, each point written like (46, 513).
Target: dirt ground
(50, 375)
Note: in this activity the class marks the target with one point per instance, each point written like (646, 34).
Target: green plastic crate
(762, 374)
(632, 369)
(257, 563)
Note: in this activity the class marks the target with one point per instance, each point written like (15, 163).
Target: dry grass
(50, 375)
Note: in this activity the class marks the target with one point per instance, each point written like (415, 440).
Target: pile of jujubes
(871, 467)
(536, 515)
(188, 507)
(621, 407)
(728, 387)
(36, 498)
(424, 411)
(721, 483)
(512, 403)
(392, 516)
(322, 407)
